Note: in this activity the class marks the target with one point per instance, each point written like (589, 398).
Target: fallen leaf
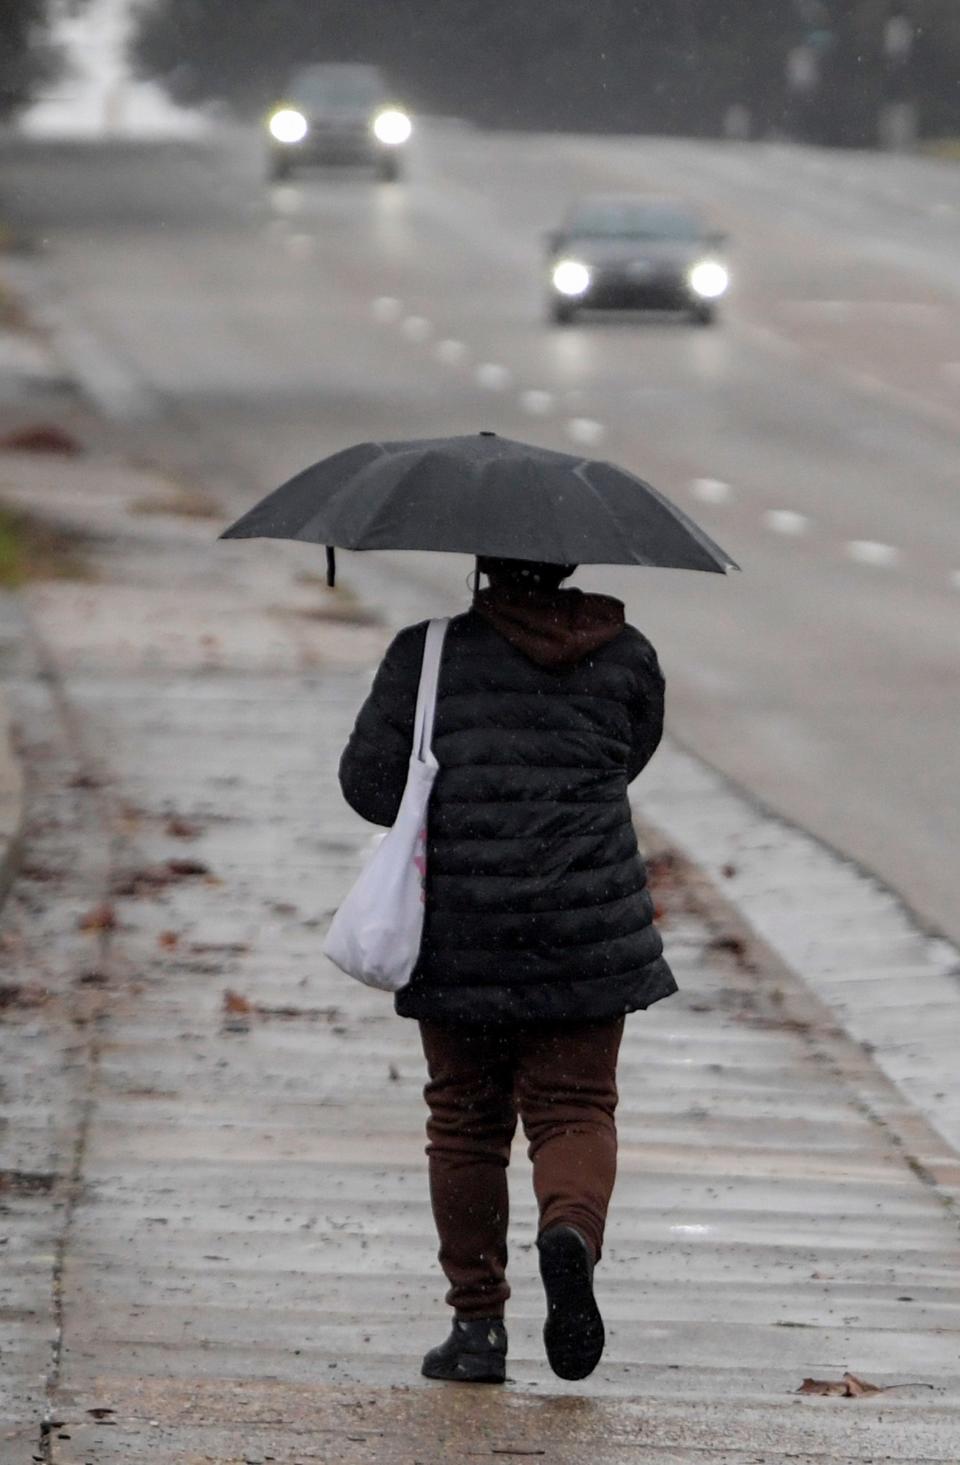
(42, 438)
(102, 918)
(849, 1387)
(85, 780)
(227, 948)
(729, 871)
(183, 868)
(236, 1004)
(735, 945)
(168, 939)
(179, 828)
(26, 994)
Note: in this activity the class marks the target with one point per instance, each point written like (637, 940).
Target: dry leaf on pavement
(102, 918)
(849, 1387)
(236, 1005)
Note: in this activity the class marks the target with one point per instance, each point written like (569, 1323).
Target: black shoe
(474, 1353)
(573, 1333)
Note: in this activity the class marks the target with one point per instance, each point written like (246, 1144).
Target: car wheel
(280, 167)
(562, 314)
(388, 169)
(704, 315)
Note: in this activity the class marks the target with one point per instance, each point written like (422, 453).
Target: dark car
(635, 253)
(335, 113)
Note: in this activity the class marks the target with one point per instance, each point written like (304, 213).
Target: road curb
(13, 802)
(892, 984)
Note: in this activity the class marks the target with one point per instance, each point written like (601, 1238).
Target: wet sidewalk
(219, 1245)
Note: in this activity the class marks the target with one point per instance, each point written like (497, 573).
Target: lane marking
(417, 328)
(387, 308)
(301, 246)
(537, 403)
(869, 552)
(286, 200)
(711, 490)
(493, 377)
(451, 352)
(586, 431)
(786, 521)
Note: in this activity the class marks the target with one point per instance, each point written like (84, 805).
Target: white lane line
(286, 200)
(586, 431)
(493, 377)
(450, 352)
(537, 403)
(869, 552)
(785, 521)
(301, 246)
(417, 328)
(387, 308)
(711, 490)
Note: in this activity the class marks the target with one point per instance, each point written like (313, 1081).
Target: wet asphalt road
(814, 434)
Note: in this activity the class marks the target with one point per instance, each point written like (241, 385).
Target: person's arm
(373, 768)
(646, 710)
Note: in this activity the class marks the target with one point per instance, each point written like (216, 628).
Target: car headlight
(570, 277)
(392, 127)
(288, 125)
(709, 279)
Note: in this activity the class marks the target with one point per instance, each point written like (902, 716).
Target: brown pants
(561, 1078)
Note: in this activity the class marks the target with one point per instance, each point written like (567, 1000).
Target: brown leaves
(22, 994)
(179, 828)
(849, 1387)
(239, 1010)
(154, 878)
(41, 438)
(236, 1005)
(102, 917)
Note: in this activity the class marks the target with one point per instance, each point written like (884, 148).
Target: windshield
(337, 86)
(627, 220)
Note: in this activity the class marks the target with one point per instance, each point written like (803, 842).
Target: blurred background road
(244, 329)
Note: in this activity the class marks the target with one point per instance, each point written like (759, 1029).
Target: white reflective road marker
(785, 521)
(586, 431)
(493, 377)
(301, 246)
(417, 328)
(450, 352)
(868, 552)
(286, 200)
(711, 490)
(537, 403)
(387, 309)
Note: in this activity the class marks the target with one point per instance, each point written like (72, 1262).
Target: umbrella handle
(331, 566)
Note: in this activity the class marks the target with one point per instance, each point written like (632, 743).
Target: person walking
(538, 931)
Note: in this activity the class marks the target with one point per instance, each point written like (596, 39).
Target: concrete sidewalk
(219, 1246)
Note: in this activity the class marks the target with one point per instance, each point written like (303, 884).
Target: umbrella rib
(614, 519)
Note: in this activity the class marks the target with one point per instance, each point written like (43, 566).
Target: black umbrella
(482, 495)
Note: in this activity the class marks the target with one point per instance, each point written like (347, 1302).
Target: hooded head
(554, 628)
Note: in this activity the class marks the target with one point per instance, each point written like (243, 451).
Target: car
(633, 252)
(337, 113)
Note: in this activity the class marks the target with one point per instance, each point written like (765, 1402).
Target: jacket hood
(556, 628)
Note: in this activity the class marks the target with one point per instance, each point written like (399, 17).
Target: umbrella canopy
(482, 495)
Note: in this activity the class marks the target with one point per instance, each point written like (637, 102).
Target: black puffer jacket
(537, 906)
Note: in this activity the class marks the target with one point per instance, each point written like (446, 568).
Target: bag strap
(427, 692)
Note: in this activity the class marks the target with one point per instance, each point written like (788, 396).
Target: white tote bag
(375, 935)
